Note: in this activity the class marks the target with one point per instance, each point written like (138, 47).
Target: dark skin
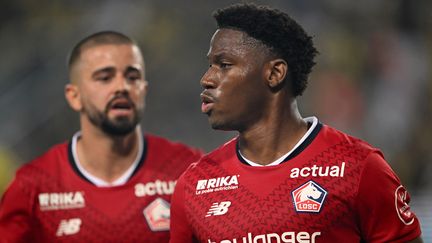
(245, 89)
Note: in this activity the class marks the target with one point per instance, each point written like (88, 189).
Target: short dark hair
(279, 32)
(99, 38)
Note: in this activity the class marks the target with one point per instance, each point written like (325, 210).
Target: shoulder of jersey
(219, 154)
(331, 135)
(47, 161)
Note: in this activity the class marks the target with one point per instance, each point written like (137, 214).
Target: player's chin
(123, 120)
(219, 124)
(119, 127)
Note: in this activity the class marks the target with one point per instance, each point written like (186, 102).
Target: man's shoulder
(221, 154)
(42, 168)
(45, 161)
(332, 135)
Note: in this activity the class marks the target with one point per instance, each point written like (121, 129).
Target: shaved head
(99, 38)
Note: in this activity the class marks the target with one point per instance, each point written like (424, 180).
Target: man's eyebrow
(217, 56)
(103, 70)
(132, 69)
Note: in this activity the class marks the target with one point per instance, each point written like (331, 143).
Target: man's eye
(133, 78)
(225, 65)
(103, 78)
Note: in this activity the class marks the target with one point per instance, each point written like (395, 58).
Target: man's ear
(145, 87)
(276, 72)
(72, 95)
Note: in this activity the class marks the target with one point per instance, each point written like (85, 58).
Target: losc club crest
(309, 197)
(157, 215)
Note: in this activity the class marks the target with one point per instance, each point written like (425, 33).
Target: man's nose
(122, 84)
(208, 80)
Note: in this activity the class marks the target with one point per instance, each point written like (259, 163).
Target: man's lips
(206, 107)
(121, 106)
(207, 102)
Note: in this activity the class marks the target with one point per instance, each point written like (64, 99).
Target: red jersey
(331, 188)
(50, 201)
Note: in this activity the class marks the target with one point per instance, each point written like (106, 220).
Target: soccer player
(110, 182)
(284, 178)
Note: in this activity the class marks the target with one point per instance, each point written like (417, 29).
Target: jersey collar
(308, 137)
(84, 174)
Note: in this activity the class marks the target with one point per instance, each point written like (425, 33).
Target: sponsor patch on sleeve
(402, 198)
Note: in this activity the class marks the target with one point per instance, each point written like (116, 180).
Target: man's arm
(15, 213)
(382, 205)
(180, 230)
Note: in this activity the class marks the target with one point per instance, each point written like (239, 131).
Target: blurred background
(372, 80)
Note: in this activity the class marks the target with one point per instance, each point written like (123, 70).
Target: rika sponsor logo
(218, 208)
(289, 237)
(403, 209)
(61, 200)
(152, 188)
(319, 171)
(157, 215)
(217, 184)
(69, 227)
(309, 197)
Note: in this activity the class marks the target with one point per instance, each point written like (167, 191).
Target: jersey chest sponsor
(289, 237)
(223, 183)
(61, 200)
(154, 188)
(319, 171)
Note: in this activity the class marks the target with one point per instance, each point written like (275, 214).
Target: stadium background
(372, 80)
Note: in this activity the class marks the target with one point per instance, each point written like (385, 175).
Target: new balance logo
(69, 227)
(218, 208)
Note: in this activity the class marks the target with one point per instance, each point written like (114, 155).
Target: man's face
(235, 92)
(111, 87)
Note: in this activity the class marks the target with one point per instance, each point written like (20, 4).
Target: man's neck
(107, 157)
(273, 136)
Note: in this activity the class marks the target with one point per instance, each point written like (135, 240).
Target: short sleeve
(180, 230)
(383, 204)
(15, 212)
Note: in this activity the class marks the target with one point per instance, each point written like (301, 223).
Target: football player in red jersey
(111, 182)
(284, 178)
